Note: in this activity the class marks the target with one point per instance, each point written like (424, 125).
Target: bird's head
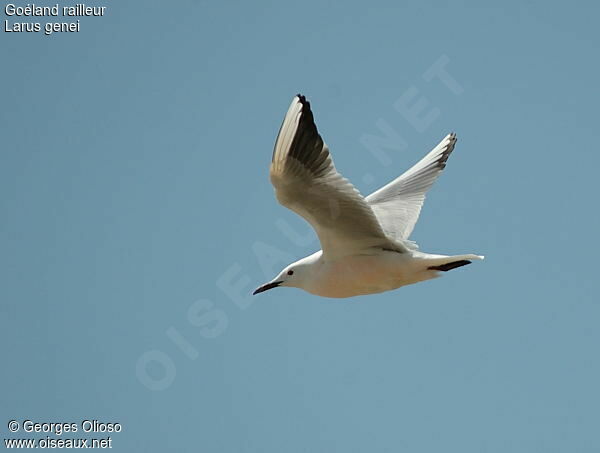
(294, 275)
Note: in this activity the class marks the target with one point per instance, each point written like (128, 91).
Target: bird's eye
(290, 272)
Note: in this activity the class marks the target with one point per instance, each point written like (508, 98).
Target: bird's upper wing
(306, 181)
(398, 204)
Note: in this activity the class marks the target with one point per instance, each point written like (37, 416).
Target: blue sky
(137, 216)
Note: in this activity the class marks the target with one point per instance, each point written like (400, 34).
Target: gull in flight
(364, 240)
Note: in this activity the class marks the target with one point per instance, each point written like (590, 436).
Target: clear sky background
(137, 217)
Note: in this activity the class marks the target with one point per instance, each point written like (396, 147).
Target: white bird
(365, 246)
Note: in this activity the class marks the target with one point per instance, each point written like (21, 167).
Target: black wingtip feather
(307, 145)
(449, 266)
(446, 154)
(305, 103)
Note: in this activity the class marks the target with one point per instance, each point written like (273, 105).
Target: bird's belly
(366, 274)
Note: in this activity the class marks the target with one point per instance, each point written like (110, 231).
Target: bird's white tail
(447, 263)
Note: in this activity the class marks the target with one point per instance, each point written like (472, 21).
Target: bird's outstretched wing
(397, 205)
(306, 181)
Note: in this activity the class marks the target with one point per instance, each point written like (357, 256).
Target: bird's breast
(361, 274)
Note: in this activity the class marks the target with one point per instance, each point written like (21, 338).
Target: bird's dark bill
(266, 287)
